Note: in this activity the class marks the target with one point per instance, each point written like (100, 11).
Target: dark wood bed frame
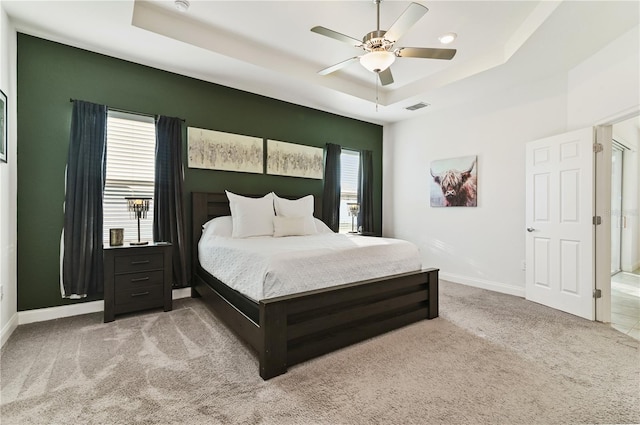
(291, 329)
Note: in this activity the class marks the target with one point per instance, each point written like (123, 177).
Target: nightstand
(136, 277)
(378, 235)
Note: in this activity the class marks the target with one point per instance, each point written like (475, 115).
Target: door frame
(617, 207)
(602, 188)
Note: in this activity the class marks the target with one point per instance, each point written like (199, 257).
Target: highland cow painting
(454, 182)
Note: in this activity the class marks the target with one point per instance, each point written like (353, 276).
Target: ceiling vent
(417, 106)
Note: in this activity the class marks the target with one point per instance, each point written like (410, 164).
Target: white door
(559, 219)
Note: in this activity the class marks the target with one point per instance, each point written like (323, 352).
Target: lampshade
(354, 208)
(138, 206)
(377, 61)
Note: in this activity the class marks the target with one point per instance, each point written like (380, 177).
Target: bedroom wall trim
(8, 329)
(483, 284)
(51, 313)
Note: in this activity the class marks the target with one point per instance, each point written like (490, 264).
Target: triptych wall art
(454, 182)
(289, 159)
(215, 150)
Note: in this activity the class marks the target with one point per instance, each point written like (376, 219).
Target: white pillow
(302, 207)
(251, 216)
(321, 227)
(291, 226)
(219, 226)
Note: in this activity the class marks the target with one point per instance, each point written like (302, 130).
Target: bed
(292, 328)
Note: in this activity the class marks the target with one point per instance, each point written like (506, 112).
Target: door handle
(530, 229)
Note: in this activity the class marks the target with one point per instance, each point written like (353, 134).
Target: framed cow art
(454, 182)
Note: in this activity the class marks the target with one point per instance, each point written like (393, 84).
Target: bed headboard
(208, 205)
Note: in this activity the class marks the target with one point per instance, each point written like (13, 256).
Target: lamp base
(139, 243)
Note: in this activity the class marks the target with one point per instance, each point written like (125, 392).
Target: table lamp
(354, 208)
(138, 206)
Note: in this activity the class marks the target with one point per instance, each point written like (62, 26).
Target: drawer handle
(136, 263)
(139, 294)
(140, 279)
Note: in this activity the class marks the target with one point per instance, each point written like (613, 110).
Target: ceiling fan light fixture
(181, 5)
(377, 61)
(448, 37)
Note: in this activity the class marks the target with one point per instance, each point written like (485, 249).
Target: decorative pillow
(302, 207)
(321, 227)
(251, 216)
(219, 226)
(290, 226)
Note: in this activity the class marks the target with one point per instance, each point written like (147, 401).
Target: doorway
(625, 228)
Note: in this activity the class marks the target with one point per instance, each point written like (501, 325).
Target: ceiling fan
(378, 45)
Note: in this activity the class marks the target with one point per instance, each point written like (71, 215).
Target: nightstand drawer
(142, 295)
(124, 282)
(134, 263)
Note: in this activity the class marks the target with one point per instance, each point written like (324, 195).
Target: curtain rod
(130, 112)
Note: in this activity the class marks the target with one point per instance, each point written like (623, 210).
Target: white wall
(8, 185)
(605, 84)
(482, 246)
(485, 246)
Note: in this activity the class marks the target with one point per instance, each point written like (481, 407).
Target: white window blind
(131, 142)
(349, 166)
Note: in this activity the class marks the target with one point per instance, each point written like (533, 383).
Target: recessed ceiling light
(447, 38)
(182, 5)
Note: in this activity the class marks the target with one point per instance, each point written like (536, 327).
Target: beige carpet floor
(489, 358)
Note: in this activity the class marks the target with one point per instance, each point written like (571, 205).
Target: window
(131, 145)
(349, 166)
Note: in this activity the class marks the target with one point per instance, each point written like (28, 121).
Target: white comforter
(267, 267)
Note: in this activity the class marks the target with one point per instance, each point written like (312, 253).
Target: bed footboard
(299, 327)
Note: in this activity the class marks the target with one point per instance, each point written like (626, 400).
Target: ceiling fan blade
(337, 36)
(337, 66)
(385, 77)
(410, 16)
(425, 52)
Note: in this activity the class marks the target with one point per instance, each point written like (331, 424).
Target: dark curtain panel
(331, 195)
(365, 191)
(168, 212)
(82, 267)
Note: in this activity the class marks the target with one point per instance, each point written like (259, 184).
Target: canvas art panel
(290, 159)
(215, 150)
(454, 182)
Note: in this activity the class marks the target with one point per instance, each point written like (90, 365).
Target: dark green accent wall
(49, 74)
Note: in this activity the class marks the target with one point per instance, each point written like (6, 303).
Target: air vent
(417, 106)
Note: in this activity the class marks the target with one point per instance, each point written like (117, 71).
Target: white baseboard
(630, 268)
(484, 284)
(181, 293)
(8, 329)
(50, 313)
